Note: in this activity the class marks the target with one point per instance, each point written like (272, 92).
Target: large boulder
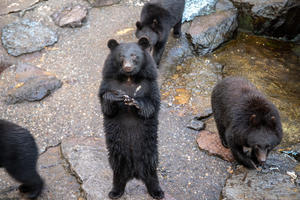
(27, 36)
(209, 32)
(277, 18)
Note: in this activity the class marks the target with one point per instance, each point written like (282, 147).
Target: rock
(59, 184)
(194, 8)
(196, 125)
(26, 36)
(15, 5)
(211, 143)
(87, 157)
(88, 160)
(277, 18)
(207, 113)
(72, 16)
(209, 32)
(5, 63)
(101, 3)
(33, 84)
(273, 182)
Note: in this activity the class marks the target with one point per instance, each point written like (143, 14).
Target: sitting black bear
(157, 19)
(130, 102)
(18, 155)
(247, 122)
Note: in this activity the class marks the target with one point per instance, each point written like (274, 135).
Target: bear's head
(262, 138)
(128, 58)
(150, 31)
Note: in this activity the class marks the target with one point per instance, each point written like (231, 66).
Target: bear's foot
(31, 192)
(176, 35)
(24, 188)
(224, 143)
(158, 194)
(115, 194)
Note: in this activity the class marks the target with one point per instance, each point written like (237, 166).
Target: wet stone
(27, 36)
(211, 143)
(277, 18)
(196, 125)
(32, 84)
(272, 182)
(71, 15)
(100, 3)
(209, 32)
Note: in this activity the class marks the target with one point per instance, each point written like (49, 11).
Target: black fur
(18, 155)
(247, 122)
(130, 102)
(158, 17)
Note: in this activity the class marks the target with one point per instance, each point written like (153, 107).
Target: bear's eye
(133, 56)
(121, 57)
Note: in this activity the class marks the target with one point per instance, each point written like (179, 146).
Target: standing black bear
(158, 17)
(18, 155)
(130, 102)
(247, 122)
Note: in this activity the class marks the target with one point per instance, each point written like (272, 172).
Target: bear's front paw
(115, 194)
(131, 101)
(157, 194)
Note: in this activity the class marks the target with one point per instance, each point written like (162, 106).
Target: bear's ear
(154, 24)
(138, 25)
(144, 42)
(112, 44)
(273, 121)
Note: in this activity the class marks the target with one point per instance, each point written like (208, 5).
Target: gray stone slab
(33, 84)
(27, 36)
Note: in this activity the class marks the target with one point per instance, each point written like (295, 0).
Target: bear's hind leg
(31, 185)
(119, 183)
(177, 30)
(152, 184)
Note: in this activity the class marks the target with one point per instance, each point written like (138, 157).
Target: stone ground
(67, 125)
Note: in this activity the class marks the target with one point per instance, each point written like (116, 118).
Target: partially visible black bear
(158, 17)
(130, 102)
(247, 122)
(18, 155)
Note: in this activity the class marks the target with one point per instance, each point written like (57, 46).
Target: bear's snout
(127, 67)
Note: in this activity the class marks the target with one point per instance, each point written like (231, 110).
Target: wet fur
(131, 133)
(18, 155)
(234, 102)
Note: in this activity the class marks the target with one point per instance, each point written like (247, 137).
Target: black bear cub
(18, 155)
(130, 103)
(247, 122)
(158, 17)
